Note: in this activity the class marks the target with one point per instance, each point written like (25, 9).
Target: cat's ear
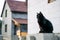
(41, 13)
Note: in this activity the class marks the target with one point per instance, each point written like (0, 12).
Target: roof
(21, 21)
(17, 6)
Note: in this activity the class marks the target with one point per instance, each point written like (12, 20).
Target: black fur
(44, 24)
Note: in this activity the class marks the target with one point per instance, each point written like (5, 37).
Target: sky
(1, 7)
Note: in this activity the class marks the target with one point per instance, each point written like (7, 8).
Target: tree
(0, 26)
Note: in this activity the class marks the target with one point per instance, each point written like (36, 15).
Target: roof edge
(18, 12)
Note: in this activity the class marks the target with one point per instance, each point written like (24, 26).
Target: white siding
(7, 20)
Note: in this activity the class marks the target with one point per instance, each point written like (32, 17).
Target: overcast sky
(2, 3)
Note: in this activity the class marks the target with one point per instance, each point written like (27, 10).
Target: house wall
(50, 10)
(19, 15)
(7, 20)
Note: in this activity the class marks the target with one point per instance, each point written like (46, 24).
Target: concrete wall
(43, 36)
(50, 10)
(40, 36)
(14, 37)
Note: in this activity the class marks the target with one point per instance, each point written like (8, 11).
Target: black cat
(44, 24)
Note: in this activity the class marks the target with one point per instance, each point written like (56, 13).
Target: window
(23, 27)
(6, 28)
(6, 13)
(15, 29)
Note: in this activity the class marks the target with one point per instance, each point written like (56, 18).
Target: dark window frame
(5, 13)
(25, 25)
(16, 28)
(6, 28)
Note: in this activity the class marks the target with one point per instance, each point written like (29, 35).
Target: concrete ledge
(40, 36)
(44, 36)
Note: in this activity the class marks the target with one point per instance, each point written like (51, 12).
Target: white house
(14, 15)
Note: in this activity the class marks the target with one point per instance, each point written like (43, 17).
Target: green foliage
(0, 26)
(0, 23)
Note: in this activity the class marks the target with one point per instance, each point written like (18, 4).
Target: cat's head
(40, 16)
